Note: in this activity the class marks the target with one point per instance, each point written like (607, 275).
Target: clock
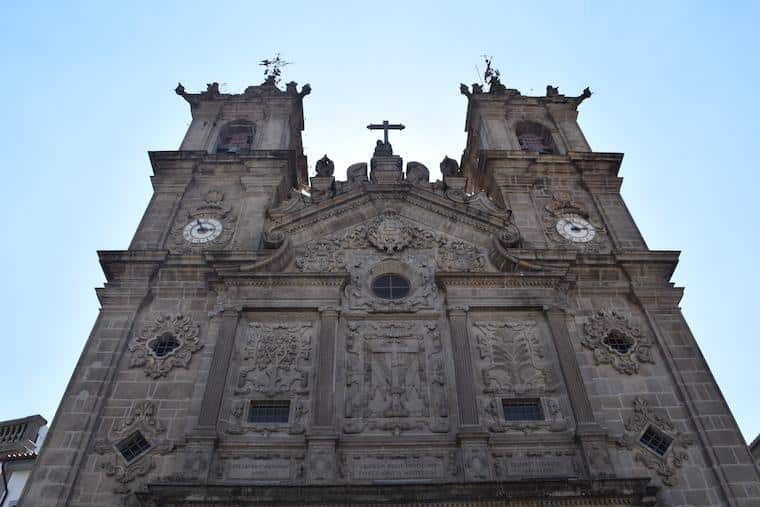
(202, 230)
(575, 228)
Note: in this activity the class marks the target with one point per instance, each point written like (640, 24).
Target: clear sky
(87, 89)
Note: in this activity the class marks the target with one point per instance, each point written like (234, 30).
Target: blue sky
(87, 90)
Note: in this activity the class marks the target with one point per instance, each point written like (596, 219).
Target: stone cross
(385, 127)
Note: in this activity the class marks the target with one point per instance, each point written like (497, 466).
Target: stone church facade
(501, 337)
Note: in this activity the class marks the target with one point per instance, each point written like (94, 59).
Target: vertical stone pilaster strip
(324, 392)
(463, 370)
(217, 375)
(576, 389)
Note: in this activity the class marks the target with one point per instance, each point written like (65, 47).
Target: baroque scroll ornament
(178, 330)
(665, 465)
(568, 223)
(212, 219)
(389, 233)
(142, 419)
(617, 342)
(321, 256)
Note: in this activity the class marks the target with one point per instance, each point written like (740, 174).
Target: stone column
(592, 437)
(324, 389)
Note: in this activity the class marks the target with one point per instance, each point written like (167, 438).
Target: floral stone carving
(275, 359)
(167, 342)
(142, 420)
(616, 341)
(512, 357)
(665, 464)
(460, 256)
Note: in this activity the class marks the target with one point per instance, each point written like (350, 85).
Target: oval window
(390, 286)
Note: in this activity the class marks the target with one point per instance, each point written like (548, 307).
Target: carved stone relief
(142, 419)
(395, 378)
(275, 358)
(390, 234)
(616, 341)
(181, 339)
(511, 355)
(562, 206)
(212, 207)
(665, 465)
(275, 363)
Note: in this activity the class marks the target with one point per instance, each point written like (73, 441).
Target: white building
(20, 442)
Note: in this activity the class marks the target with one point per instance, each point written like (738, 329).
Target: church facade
(501, 337)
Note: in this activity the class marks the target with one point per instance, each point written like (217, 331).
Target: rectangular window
(522, 409)
(133, 446)
(656, 440)
(269, 411)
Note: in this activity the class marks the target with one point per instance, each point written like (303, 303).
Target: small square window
(133, 446)
(656, 440)
(269, 411)
(522, 410)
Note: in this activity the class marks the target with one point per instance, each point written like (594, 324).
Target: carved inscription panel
(395, 378)
(402, 466)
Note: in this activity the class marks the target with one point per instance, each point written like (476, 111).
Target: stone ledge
(543, 492)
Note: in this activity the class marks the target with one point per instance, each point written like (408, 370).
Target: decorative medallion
(617, 342)
(132, 444)
(167, 342)
(656, 442)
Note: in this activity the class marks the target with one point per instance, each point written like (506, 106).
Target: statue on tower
(273, 69)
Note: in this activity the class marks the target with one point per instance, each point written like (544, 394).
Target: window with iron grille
(133, 446)
(522, 409)
(618, 342)
(269, 411)
(163, 345)
(656, 440)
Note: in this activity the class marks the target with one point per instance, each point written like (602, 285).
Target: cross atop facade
(385, 127)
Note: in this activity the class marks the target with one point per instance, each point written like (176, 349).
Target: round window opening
(390, 286)
(164, 344)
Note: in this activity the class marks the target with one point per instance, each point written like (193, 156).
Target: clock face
(575, 228)
(202, 230)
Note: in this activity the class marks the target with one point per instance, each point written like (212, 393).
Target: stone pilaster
(592, 437)
(324, 392)
(217, 375)
(463, 371)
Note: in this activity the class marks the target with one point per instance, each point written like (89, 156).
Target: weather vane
(273, 69)
(491, 74)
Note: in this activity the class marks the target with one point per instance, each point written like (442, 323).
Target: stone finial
(357, 173)
(325, 167)
(450, 167)
(417, 173)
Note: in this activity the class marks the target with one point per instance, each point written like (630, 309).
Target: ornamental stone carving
(617, 342)
(167, 342)
(395, 379)
(666, 464)
(321, 256)
(276, 359)
(142, 420)
(418, 269)
(511, 355)
(456, 255)
(389, 233)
